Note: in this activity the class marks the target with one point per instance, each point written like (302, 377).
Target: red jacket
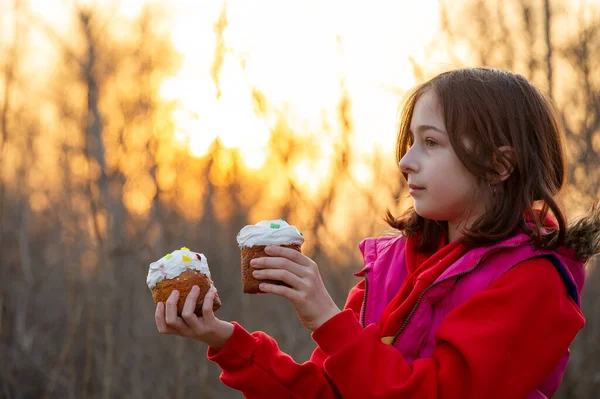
(521, 309)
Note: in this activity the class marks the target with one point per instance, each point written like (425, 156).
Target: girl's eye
(429, 143)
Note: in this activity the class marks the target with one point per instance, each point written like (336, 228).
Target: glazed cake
(181, 270)
(253, 239)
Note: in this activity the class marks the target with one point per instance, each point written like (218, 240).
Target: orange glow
(300, 59)
(310, 174)
(296, 54)
(362, 173)
(138, 193)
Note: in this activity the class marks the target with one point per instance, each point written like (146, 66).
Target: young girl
(478, 296)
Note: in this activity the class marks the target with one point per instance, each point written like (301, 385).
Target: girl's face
(441, 186)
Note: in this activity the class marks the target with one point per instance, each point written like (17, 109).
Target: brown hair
(495, 108)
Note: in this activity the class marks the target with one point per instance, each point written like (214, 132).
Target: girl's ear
(505, 164)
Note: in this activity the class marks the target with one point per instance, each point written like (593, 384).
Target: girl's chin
(426, 213)
(422, 210)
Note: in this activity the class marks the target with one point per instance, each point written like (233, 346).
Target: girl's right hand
(207, 329)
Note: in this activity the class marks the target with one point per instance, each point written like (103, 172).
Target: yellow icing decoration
(185, 249)
(186, 258)
(169, 256)
(387, 340)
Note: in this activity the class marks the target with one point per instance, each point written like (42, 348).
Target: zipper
(364, 304)
(441, 281)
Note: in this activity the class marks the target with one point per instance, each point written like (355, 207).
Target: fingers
(188, 313)
(280, 263)
(171, 318)
(281, 275)
(283, 291)
(288, 253)
(208, 315)
(171, 308)
(161, 323)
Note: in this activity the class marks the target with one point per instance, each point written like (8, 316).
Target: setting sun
(299, 61)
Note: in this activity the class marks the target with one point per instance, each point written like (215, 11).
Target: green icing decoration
(275, 226)
(301, 233)
(169, 256)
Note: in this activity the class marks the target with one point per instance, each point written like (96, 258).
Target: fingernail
(195, 289)
(253, 262)
(255, 273)
(173, 293)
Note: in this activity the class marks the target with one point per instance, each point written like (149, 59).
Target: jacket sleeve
(501, 343)
(254, 364)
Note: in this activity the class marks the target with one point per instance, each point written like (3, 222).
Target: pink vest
(385, 270)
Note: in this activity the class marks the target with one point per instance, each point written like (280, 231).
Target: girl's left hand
(307, 293)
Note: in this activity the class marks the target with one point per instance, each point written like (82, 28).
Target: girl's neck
(460, 224)
(456, 229)
(453, 232)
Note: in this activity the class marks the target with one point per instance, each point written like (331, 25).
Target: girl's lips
(415, 189)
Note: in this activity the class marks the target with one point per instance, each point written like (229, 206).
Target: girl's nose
(408, 164)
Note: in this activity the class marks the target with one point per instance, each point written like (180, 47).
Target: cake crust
(249, 283)
(184, 283)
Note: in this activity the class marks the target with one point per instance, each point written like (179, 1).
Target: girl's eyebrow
(422, 128)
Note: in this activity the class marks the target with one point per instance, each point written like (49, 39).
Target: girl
(478, 296)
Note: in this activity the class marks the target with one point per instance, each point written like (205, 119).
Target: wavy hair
(491, 108)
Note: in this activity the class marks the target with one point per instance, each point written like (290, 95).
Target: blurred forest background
(116, 149)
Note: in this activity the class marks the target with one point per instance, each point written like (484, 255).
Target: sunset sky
(295, 53)
(301, 56)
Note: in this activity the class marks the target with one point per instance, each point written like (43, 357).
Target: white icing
(267, 232)
(169, 268)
